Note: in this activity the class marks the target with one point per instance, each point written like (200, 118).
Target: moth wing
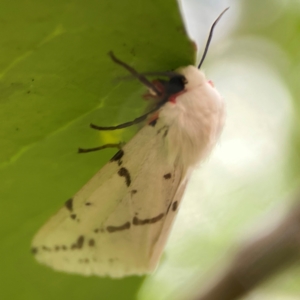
(167, 225)
(118, 223)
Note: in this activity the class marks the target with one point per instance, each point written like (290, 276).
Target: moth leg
(127, 124)
(137, 75)
(168, 74)
(119, 146)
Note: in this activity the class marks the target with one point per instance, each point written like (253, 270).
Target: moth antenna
(210, 36)
(135, 74)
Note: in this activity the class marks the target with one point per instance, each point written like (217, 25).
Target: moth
(118, 223)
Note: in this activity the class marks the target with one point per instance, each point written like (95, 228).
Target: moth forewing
(115, 224)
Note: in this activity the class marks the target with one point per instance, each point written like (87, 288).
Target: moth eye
(211, 83)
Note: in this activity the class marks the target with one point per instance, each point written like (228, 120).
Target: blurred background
(247, 183)
(56, 79)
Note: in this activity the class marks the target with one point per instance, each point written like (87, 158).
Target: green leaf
(56, 78)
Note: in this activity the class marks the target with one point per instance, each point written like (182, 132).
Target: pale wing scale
(116, 224)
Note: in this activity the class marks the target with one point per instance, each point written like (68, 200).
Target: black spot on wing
(167, 176)
(137, 221)
(162, 128)
(91, 242)
(133, 192)
(73, 216)
(34, 250)
(69, 204)
(117, 156)
(125, 173)
(165, 133)
(79, 243)
(118, 228)
(45, 248)
(153, 123)
(88, 203)
(99, 230)
(175, 206)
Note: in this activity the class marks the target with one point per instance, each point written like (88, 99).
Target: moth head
(193, 77)
(176, 83)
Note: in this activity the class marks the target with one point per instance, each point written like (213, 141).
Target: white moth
(118, 223)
